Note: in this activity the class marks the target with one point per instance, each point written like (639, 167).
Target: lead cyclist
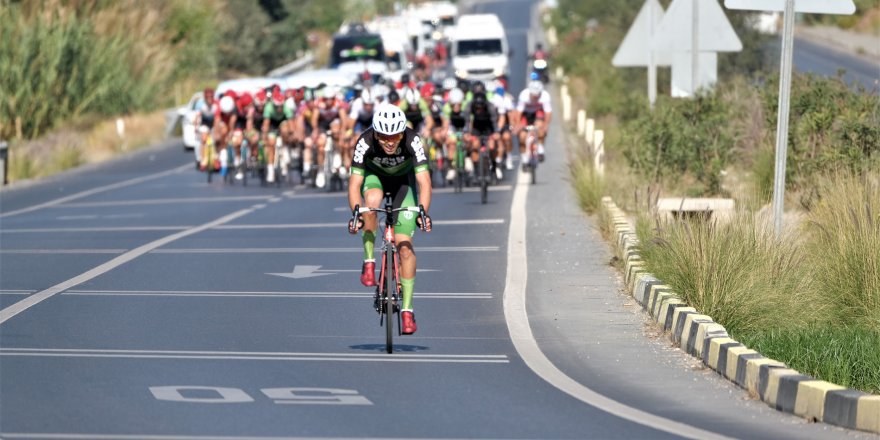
(390, 157)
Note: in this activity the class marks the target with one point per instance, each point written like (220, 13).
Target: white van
(479, 48)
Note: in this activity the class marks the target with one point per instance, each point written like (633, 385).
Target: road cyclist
(534, 108)
(390, 157)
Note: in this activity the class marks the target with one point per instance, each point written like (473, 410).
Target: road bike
(332, 169)
(460, 153)
(484, 170)
(387, 298)
(530, 162)
(439, 164)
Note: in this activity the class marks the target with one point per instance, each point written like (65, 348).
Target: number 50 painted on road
(294, 396)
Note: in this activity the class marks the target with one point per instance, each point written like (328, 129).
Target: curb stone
(700, 336)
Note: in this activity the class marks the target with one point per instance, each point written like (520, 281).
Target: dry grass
(79, 144)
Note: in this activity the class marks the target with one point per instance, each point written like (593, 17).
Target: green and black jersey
(369, 156)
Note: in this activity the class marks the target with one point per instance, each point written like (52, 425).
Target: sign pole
(782, 117)
(652, 65)
(695, 47)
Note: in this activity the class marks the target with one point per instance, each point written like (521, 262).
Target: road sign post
(789, 8)
(636, 49)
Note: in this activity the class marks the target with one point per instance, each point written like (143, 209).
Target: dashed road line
(260, 356)
(266, 294)
(32, 300)
(93, 191)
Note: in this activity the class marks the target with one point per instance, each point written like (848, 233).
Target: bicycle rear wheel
(390, 296)
(484, 178)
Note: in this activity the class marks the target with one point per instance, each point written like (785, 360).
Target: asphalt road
(139, 302)
(809, 57)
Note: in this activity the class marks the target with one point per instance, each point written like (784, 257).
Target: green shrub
(682, 137)
(830, 127)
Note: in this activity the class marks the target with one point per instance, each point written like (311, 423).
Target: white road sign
(636, 49)
(682, 77)
(714, 33)
(839, 7)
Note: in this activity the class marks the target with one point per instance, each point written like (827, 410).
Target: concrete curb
(769, 380)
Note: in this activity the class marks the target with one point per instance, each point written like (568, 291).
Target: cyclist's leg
(404, 230)
(374, 194)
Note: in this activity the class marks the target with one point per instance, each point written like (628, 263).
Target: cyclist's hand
(356, 222)
(424, 220)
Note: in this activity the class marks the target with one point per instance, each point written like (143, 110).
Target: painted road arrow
(302, 271)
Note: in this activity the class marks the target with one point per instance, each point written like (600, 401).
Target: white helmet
(536, 87)
(227, 104)
(329, 92)
(367, 97)
(410, 95)
(449, 83)
(456, 96)
(388, 119)
(289, 104)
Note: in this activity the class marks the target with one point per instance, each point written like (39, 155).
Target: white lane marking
(301, 271)
(266, 294)
(73, 436)
(470, 190)
(93, 191)
(461, 222)
(524, 341)
(165, 201)
(265, 356)
(39, 297)
(77, 217)
(314, 250)
(16, 292)
(62, 251)
(94, 229)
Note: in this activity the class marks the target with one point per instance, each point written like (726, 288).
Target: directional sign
(682, 79)
(714, 33)
(839, 7)
(636, 49)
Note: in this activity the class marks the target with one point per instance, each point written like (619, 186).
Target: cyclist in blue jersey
(390, 157)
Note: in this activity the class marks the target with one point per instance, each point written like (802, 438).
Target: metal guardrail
(302, 63)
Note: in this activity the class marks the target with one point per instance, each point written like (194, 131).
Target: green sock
(369, 241)
(406, 284)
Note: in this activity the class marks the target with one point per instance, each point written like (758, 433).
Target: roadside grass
(848, 355)
(86, 141)
(588, 184)
(734, 271)
(843, 245)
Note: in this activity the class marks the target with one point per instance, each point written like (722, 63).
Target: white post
(782, 117)
(652, 66)
(120, 127)
(582, 116)
(599, 156)
(566, 103)
(559, 72)
(590, 133)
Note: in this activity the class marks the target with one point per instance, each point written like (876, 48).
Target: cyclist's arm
(355, 180)
(423, 179)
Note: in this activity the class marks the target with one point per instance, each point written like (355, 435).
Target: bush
(681, 138)
(830, 127)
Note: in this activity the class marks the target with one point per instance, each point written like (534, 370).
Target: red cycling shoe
(368, 273)
(409, 322)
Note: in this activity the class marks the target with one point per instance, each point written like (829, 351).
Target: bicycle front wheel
(390, 297)
(484, 178)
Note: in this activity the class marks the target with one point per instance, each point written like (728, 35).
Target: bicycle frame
(388, 289)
